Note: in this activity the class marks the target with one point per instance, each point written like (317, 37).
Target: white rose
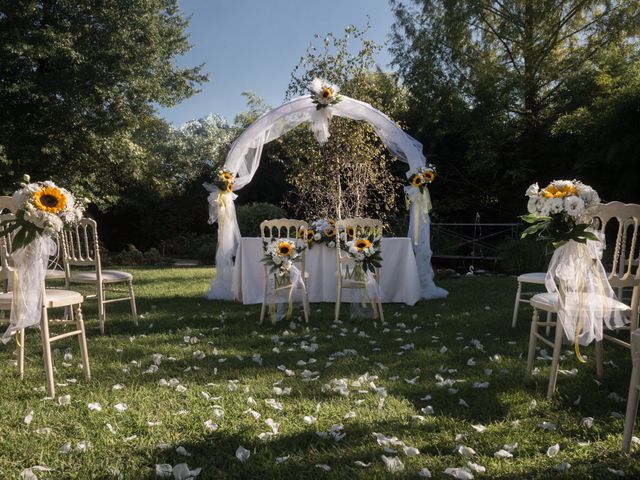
(317, 237)
(331, 244)
(359, 256)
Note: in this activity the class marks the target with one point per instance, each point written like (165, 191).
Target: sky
(254, 45)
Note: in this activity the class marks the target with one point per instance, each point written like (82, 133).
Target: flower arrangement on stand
(560, 212)
(322, 230)
(423, 176)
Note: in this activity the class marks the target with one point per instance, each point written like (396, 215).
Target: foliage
(250, 216)
(78, 79)
(235, 358)
(348, 176)
(489, 79)
(517, 256)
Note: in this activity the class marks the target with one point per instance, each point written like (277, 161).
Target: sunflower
(362, 243)
(330, 232)
(285, 249)
(50, 200)
(417, 180)
(300, 233)
(350, 232)
(331, 221)
(227, 176)
(550, 191)
(429, 176)
(326, 93)
(229, 186)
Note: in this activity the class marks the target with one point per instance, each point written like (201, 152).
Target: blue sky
(253, 45)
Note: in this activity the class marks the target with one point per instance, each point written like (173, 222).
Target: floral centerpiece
(224, 180)
(560, 212)
(322, 230)
(43, 209)
(324, 93)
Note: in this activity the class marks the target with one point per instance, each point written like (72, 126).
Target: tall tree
(493, 76)
(77, 79)
(349, 175)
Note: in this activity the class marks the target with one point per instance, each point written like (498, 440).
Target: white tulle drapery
(587, 302)
(243, 159)
(27, 283)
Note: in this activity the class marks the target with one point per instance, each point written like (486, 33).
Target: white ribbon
(420, 203)
(30, 268)
(320, 124)
(371, 287)
(588, 302)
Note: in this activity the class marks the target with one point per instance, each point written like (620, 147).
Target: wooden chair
(295, 231)
(532, 278)
(81, 249)
(52, 298)
(622, 277)
(634, 386)
(354, 228)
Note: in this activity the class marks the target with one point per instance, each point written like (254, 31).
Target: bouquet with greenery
(560, 212)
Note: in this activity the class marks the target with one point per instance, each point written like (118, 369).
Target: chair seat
(54, 298)
(533, 277)
(108, 276)
(549, 302)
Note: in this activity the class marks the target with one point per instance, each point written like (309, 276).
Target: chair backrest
(353, 228)
(7, 213)
(620, 221)
(284, 228)
(80, 245)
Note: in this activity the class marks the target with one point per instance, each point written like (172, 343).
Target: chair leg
(532, 340)
(380, 311)
(338, 299)
(547, 331)
(305, 306)
(632, 409)
(46, 352)
(20, 337)
(82, 340)
(134, 310)
(264, 299)
(516, 306)
(600, 359)
(102, 314)
(555, 362)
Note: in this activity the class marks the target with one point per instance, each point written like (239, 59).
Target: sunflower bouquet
(44, 209)
(280, 254)
(365, 251)
(324, 93)
(423, 177)
(322, 230)
(560, 212)
(224, 179)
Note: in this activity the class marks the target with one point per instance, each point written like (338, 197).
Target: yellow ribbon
(221, 200)
(422, 208)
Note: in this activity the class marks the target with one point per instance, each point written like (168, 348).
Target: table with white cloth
(399, 281)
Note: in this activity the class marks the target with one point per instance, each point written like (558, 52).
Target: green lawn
(214, 350)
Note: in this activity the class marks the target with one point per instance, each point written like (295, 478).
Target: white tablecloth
(399, 280)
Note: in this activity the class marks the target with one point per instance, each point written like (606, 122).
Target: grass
(208, 347)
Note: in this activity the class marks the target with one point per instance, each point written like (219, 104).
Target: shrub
(251, 215)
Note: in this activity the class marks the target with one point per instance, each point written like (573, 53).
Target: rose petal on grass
(553, 450)
(242, 454)
(393, 464)
(95, 406)
(459, 473)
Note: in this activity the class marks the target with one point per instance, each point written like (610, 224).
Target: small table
(399, 281)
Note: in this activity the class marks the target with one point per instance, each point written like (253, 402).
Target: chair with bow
(51, 299)
(349, 274)
(290, 232)
(575, 301)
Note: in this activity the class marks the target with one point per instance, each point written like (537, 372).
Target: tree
(349, 175)
(78, 78)
(490, 78)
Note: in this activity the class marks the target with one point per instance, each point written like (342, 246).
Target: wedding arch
(243, 160)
